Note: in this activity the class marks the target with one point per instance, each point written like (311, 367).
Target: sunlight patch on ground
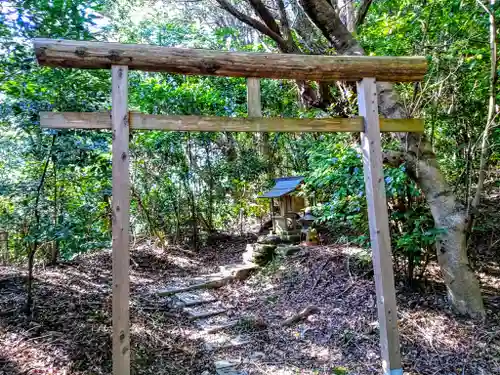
(141, 279)
(70, 279)
(490, 277)
(31, 348)
(293, 370)
(140, 330)
(182, 262)
(433, 328)
(354, 251)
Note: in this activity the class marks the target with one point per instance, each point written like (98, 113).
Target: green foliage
(271, 269)
(69, 201)
(215, 175)
(189, 183)
(336, 175)
(340, 370)
(453, 99)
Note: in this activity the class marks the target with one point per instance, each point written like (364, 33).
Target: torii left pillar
(121, 225)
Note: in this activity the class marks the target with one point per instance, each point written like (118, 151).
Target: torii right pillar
(379, 228)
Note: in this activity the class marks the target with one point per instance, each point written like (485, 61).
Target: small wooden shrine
(285, 204)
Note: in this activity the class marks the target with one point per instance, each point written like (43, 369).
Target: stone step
(230, 371)
(227, 368)
(226, 275)
(220, 327)
(204, 279)
(213, 321)
(194, 298)
(210, 282)
(224, 322)
(238, 271)
(219, 341)
(201, 312)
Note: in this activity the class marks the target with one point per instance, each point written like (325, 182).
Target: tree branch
(309, 310)
(252, 22)
(265, 15)
(310, 36)
(284, 19)
(34, 247)
(328, 21)
(308, 94)
(480, 3)
(362, 12)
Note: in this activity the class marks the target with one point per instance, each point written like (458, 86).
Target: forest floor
(70, 328)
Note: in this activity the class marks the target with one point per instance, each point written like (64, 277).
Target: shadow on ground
(70, 328)
(345, 334)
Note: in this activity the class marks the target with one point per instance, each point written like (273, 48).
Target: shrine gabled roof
(283, 186)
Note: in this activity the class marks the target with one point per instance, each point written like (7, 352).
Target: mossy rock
(292, 238)
(264, 248)
(340, 371)
(263, 260)
(288, 250)
(263, 254)
(269, 240)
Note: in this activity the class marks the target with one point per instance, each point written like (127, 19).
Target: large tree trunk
(449, 214)
(346, 11)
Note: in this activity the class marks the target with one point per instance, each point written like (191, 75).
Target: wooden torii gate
(122, 57)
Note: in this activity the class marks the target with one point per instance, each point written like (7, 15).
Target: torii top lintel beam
(99, 55)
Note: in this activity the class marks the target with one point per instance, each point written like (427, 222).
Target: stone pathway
(227, 368)
(209, 315)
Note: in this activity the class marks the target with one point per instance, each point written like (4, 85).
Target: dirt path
(71, 326)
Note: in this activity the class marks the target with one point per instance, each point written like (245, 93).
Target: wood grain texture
(379, 226)
(121, 208)
(254, 110)
(100, 55)
(140, 121)
(253, 98)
